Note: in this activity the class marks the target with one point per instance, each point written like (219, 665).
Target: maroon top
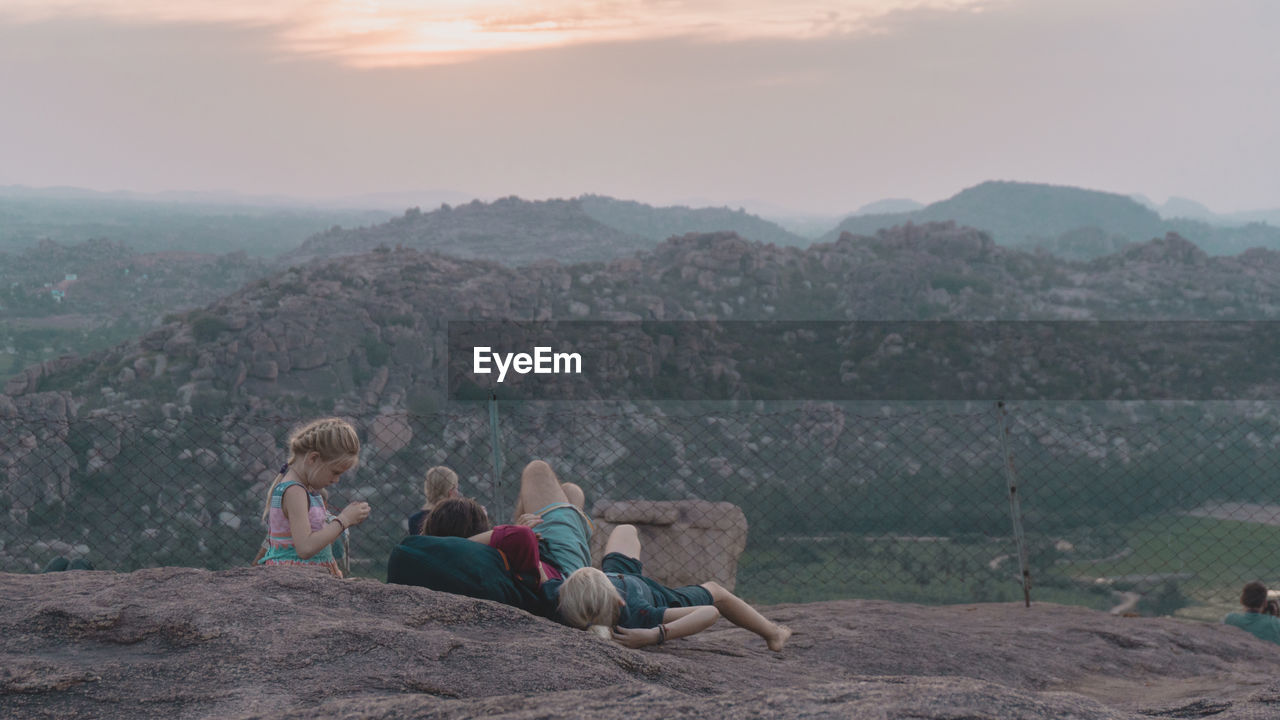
(520, 546)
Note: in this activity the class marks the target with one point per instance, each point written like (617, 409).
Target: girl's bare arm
(679, 622)
(682, 622)
(305, 542)
(672, 614)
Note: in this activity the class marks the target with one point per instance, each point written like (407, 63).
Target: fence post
(495, 442)
(1015, 507)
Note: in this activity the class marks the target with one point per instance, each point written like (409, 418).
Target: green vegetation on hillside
(928, 571)
(1212, 557)
(151, 226)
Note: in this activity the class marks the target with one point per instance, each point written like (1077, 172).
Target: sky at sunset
(808, 106)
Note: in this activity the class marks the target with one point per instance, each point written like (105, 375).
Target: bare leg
(539, 488)
(574, 494)
(737, 611)
(624, 539)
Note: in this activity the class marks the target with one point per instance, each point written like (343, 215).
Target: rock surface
(285, 642)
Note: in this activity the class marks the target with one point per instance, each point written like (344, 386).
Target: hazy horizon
(809, 108)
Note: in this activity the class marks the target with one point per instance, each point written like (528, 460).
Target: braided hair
(333, 438)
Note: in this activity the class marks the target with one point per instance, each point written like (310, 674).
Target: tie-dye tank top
(280, 541)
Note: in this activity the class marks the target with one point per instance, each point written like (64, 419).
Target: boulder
(389, 434)
(308, 357)
(264, 370)
(685, 542)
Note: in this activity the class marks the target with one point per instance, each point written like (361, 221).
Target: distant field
(934, 573)
(1202, 560)
(148, 226)
(37, 341)
(1219, 555)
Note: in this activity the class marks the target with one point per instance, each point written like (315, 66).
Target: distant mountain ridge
(1021, 214)
(513, 231)
(660, 223)
(510, 231)
(889, 206)
(1180, 208)
(1069, 222)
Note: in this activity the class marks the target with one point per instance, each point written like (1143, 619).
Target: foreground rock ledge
(286, 642)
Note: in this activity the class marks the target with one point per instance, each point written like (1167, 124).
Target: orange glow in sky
(386, 33)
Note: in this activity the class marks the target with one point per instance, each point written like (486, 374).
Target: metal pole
(495, 442)
(1015, 507)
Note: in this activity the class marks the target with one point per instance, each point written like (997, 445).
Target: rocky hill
(660, 223)
(1227, 239)
(1017, 214)
(511, 231)
(1071, 223)
(288, 643)
(366, 331)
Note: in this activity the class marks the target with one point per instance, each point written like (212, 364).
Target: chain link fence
(1153, 509)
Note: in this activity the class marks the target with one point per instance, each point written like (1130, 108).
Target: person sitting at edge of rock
(298, 531)
(642, 611)
(1259, 616)
(440, 484)
(465, 518)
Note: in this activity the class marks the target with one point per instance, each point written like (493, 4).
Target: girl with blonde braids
(298, 532)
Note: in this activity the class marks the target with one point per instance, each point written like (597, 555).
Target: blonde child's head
(589, 601)
(440, 484)
(329, 441)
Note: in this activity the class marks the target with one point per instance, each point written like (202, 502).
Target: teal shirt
(1266, 627)
(642, 609)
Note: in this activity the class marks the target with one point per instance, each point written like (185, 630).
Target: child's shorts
(565, 531)
(686, 596)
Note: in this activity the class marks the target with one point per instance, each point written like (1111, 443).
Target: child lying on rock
(619, 602)
(509, 564)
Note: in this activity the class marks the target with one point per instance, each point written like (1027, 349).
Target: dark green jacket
(460, 566)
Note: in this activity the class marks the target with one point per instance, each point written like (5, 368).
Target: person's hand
(355, 513)
(529, 520)
(635, 637)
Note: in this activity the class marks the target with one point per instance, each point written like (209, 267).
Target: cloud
(387, 33)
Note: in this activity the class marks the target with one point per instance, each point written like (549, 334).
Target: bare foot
(779, 637)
